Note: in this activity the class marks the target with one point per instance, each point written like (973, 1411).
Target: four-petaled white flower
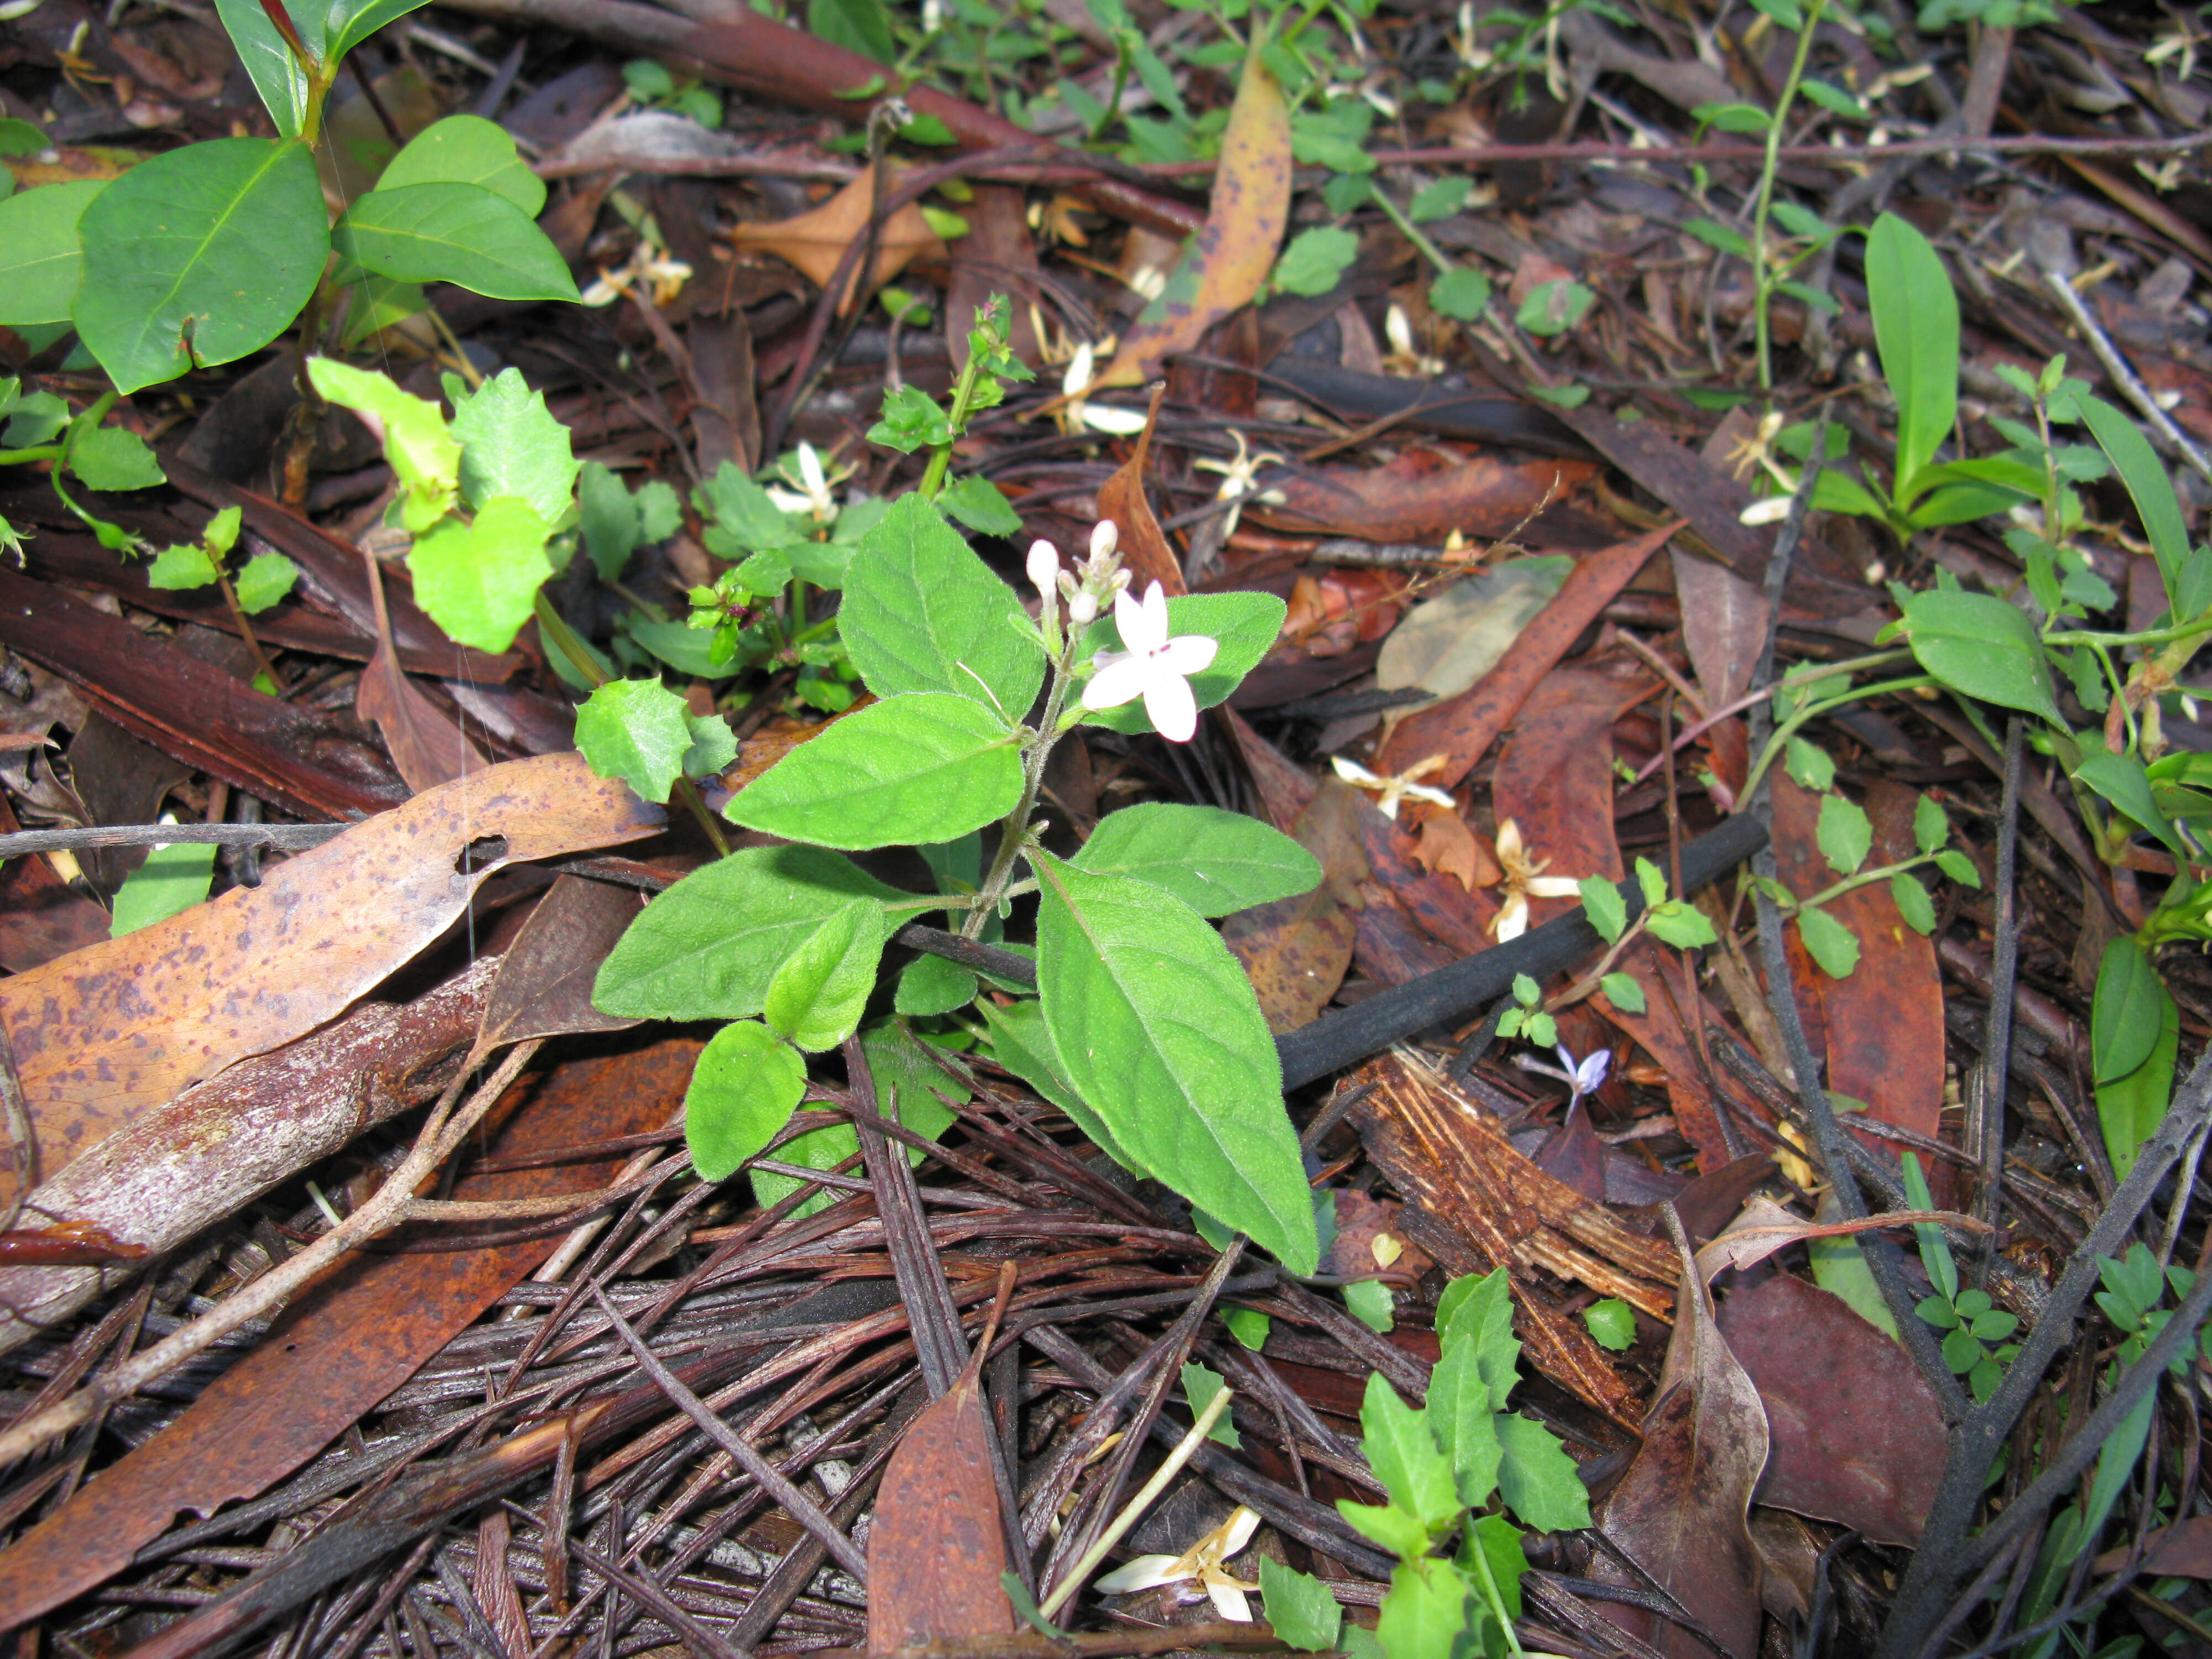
(1200, 1564)
(1394, 789)
(1154, 667)
(1523, 881)
(814, 495)
(1078, 412)
(1237, 480)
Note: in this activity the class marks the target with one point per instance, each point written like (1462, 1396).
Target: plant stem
(1412, 232)
(246, 628)
(1762, 283)
(964, 398)
(564, 639)
(1863, 878)
(1013, 833)
(1813, 711)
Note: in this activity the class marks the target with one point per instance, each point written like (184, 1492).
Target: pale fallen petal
(1440, 797)
(1113, 422)
(1173, 709)
(1229, 1601)
(1146, 1572)
(1512, 919)
(1122, 677)
(1554, 886)
(1237, 1531)
(1352, 772)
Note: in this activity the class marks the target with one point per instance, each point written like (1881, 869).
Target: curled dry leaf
(103, 1035)
(1766, 1227)
(1146, 550)
(1427, 492)
(1295, 950)
(427, 748)
(817, 240)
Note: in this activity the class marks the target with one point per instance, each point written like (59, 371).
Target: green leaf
(479, 581)
(275, 73)
(636, 731)
(180, 567)
(1680, 923)
(861, 25)
(1605, 909)
(1200, 1386)
(1651, 883)
(216, 246)
(1394, 1529)
(173, 880)
(459, 233)
(714, 745)
(1461, 293)
(1249, 1326)
(41, 259)
(660, 510)
(982, 507)
(686, 650)
(352, 22)
(1315, 259)
(109, 458)
(1612, 1323)
(1982, 647)
(708, 947)
(922, 613)
(1538, 1479)
(1723, 238)
(1623, 993)
(911, 420)
(1246, 623)
(909, 768)
(1915, 326)
(1302, 1609)
(1154, 1024)
(2120, 779)
(1406, 1457)
(744, 1086)
(511, 445)
(467, 149)
(263, 580)
(1809, 766)
(1427, 1612)
(1844, 833)
(904, 1072)
(1957, 865)
(817, 997)
(2128, 1012)
(1932, 826)
(2151, 490)
(221, 532)
(930, 984)
(817, 1149)
(1440, 199)
(1913, 903)
(1370, 1305)
(1554, 307)
(1214, 862)
(1462, 1414)
(421, 451)
(608, 517)
(1023, 1047)
(1829, 943)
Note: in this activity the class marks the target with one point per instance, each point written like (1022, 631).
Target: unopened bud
(1043, 566)
(1082, 608)
(1103, 536)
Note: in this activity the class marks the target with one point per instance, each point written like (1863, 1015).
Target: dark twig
(284, 837)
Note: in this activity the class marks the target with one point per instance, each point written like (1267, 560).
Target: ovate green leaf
(478, 580)
(1982, 647)
(41, 259)
(263, 580)
(467, 149)
(1829, 943)
(1302, 1609)
(816, 996)
(173, 880)
(1212, 860)
(450, 232)
(1404, 1454)
(636, 731)
(1845, 834)
(744, 1086)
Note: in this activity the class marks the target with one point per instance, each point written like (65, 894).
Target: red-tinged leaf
(1427, 491)
(426, 746)
(937, 1548)
(1682, 1512)
(2181, 1550)
(1856, 1436)
(1146, 550)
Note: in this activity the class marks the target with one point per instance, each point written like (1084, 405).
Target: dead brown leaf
(427, 748)
(1766, 1227)
(816, 241)
(1428, 491)
(1296, 950)
(1144, 546)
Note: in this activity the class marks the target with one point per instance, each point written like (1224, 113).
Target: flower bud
(1043, 566)
(1103, 536)
(1082, 608)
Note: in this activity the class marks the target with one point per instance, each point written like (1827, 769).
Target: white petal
(1554, 886)
(1512, 919)
(1113, 422)
(1589, 1076)
(1772, 510)
(1146, 1572)
(1174, 711)
(1229, 1601)
(1238, 1533)
(1122, 677)
(1188, 653)
(1142, 630)
(1073, 383)
(1441, 796)
(788, 501)
(1352, 772)
(809, 469)
(1043, 566)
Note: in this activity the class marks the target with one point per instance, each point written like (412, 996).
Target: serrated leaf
(1427, 1613)
(922, 613)
(1957, 865)
(1371, 1304)
(479, 581)
(1247, 624)
(511, 445)
(451, 233)
(1404, 1454)
(1605, 907)
(1200, 1386)
(1680, 924)
(110, 457)
(180, 567)
(636, 731)
(1845, 834)
(1394, 1529)
(1809, 765)
(912, 768)
(745, 519)
(1622, 991)
(707, 948)
(1829, 943)
(744, 1086)
(815, 998)
(1214, 862)
(263, 580)
(1651, 883)
(1932, 826)
(1463, 1416)
(1539, 1481)
(1153, 1023)
(1315, 259)
(1301, 1610)
(714, 745)
(1913, 903)
(201, 255)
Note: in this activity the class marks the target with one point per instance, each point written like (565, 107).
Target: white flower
(1393, 790)
(1200, 1562)
(1043, 566)
(814, 495)
(1077, 411)
(1082, 608)
(1154, 667)
(1236, 481)
(1522, 882)
(663, 276)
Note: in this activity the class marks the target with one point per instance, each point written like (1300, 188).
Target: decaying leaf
(545, 983)
(103, 1035)
(427, 748)
(1446, 643)
(1144, 545)
(1766, 1227)
(1428, 491)
(1296, 950)
(815, 241)
(1229, 259)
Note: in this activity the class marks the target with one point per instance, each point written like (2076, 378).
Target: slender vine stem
(1762, 281)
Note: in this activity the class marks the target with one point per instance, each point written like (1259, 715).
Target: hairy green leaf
(744, 1086)
(815, 998)
(1214, 862)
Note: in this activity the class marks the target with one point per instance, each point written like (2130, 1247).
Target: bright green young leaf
(459, 233)
(922, 613)
(1622, 991)
(215, 246)
(1493, 1542)
(467, 149)
(1957, 865)
(263, 580)
(41, 260)
(659, 511)
(861, 25)
(1829, 943)
(1476, 1313)
(2128, 1011)
(817, 997)
(982, 507)
(1809, 765)
(714, 745)
(1554, 307)
(1913, 903)
(930, 985)
(423, 452)
(1464, 1419)
(909, 768)
(1023, 1047)
(180, 567)
(477, 581)
(1249, 1326)
(1604, 907)
(109, 458)
(173, 880)
(1302, 1609)
(1397, 1530)
(1214, 862)
(607, 514)
(1538, 1479)
(1403, 1452)
(1246, 623)
(1612, 1322)
(912, 420)
(1651, 882)
(1915, 326)
(1370, 1305)
(1200, 1386)
(1315, 259)
(1982, 647)
(1931, 825)
(2149, 487)
(744, 1086)
(1461, 292)
(1680, 923)
(745, 520)
(1154, 1024)
(707, 948)
(817, 1149)
(1844, 833)
(511, 445)
(1440, 199)
(2130, 1108)
(1427, 1613)
(636, 730)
